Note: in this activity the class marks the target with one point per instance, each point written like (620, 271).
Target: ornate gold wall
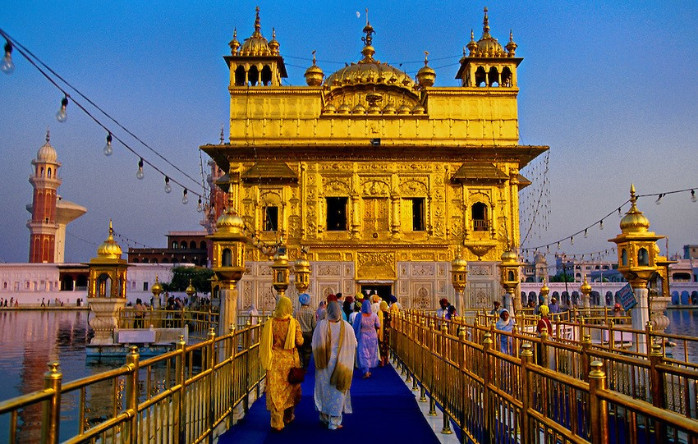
(392, 147)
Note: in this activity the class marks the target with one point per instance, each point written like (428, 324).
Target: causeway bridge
(486, 385)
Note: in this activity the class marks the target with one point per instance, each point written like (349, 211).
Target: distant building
(50, 213)
(690, 251)
(183, 247)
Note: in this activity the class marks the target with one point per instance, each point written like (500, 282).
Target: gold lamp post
(459, 274)
(228, 262)
(544, 292)
(586, 291)
(301, 268)
(637, 256)
(190, 291)
(281, 270)
(156, 289)
(509, 279)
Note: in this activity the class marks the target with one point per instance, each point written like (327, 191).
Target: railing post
(50, 420)
(211, 379)
(648, 337)
(657, 388)
(231, 386)
(180, 397)
(544, 347)
(486, 379)
(132, 394)
(599, 413)
(580, 334)
(446, 429)
(526, 386)
(586, 345)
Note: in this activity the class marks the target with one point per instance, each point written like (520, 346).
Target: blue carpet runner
(385, 411)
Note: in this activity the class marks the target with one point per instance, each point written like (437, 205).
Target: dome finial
(257, 23)
(111, 230)
(486, 23)
(48, 135)
(633, 197)
(314, 60)
(426, 58)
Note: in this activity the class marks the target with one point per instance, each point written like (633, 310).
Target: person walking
(306, 318)
(385, 317)
(365, 326)
(334, 348)
(278, 354)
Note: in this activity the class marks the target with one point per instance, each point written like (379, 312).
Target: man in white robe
(334, 348)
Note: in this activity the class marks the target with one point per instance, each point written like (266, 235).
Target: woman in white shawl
(505, 323)
(334, 346)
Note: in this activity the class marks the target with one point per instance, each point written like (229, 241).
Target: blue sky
(609, 86)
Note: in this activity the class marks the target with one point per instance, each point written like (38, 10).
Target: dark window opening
(643, 258)
(227, 259)
(271, 218)
(493, 77)
(266, 75)
(253, 76)
(480, 77)
(183, 245)
(479, 215)
(418, 214)
(337, 213)
(145, 286)
(202, 245)
(507, 78)
(240, 76)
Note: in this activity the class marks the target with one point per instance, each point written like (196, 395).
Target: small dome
(359, 109)
(234, 43)
(156, 288)
(426, 76)
(389, 109)
(418, 109)
(314, 75)
(47, 153)
(256, 44)
(634, 221)
(330, 109)
(508, 256)
(230, 222)
(404, 109)
(343, 109)
(109, 249)
(273, 43)
(488, 46)
(585, 288)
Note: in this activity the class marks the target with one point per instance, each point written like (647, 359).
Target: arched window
(624, 257)
(253, 76)
(49, 173)
(510, 276)
(42, 171)
(493, 77)
(240, 76)
(183, 245)
(192, 245)
(507, 78)
(266, 75)
(643, 258)
(174, 245)
(103, 286)
(479, 216)
(227, 258)
(480, 77)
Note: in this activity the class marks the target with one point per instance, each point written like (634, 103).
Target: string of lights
(600, 222)
(7, 66)
(129, 241)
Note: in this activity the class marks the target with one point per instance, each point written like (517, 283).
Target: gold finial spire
(314, 60)
(426, 58)
(366, 16)
(257, 23)
(48, 135)
(111, 230)
(633, 198)
(486, 23)
(222, 135)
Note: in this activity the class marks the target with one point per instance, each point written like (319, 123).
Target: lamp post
(637, 255)
(156, 290)
(228, 262)
(190, 291)
(544, 292)
(301, 268)
(586, 291)
(509, 279)
(459, 274)
(281, 271)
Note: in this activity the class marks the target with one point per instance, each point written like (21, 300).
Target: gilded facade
(381, 176)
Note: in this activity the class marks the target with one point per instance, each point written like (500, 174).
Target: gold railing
(198, 322)
(184, 396)
(505, 386)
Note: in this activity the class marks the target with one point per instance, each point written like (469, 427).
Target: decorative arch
(480, 77)
(253, 76)
(240, 76)
(413, 188)
(493, 77)
(507, 77)
(266, 75)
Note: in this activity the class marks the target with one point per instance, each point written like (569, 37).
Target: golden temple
(382, 177)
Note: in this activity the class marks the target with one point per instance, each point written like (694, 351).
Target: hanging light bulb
(658, 201)
(7, 65)
(571, 240)
(199, 208)
(168, 187)
(139, 173)
(62, 115)
(693, 195)
(108, 150)
(585, 233)
(601, 224)
(185, 199)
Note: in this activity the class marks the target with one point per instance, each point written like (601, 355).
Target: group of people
(336, 346)
(506, 323)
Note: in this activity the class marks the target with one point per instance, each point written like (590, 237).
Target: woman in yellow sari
(278, 353)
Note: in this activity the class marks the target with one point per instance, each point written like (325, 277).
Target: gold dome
(487, 46)
(508, 256)
(426, 76)
(634, 221)
(330, 109)
(343, 109)
(109, 249)
(314, 75)
(585, 288)
(256, 44)
(273, 43)
(230, 222)
(418, 109)
(404, 109)
(234, 43)
(369, 71)
(389, 109)
(156, 289)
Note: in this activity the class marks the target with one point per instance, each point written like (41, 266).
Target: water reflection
(683, 322)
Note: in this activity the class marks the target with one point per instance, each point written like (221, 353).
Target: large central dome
(370, 85)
